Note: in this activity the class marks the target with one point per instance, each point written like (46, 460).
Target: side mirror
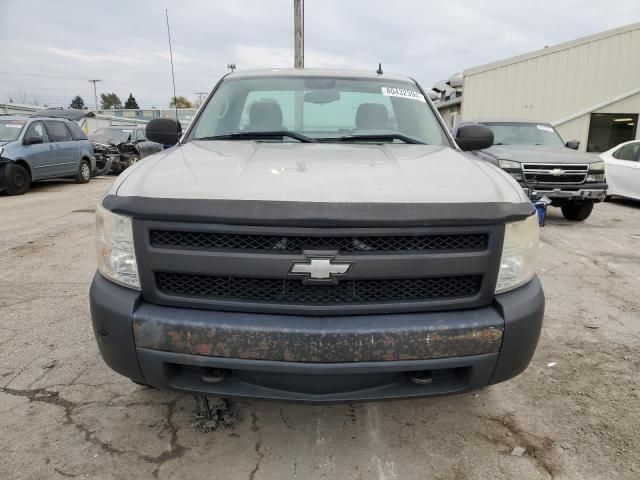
(573, 144)
(32, 140)
(164, 130)
(474, 137)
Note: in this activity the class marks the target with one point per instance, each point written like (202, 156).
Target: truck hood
(540, 153)
(303, 172)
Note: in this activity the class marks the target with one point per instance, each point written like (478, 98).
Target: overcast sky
(51, 48)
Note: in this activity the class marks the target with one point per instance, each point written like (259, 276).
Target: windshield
(524, 134)
(10, 129)
(114, 135)
(319, 109)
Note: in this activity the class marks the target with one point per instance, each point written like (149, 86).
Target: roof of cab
(318, 72)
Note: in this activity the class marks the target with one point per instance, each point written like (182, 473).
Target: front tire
(16, 178)
(577, 211)
(84, 172)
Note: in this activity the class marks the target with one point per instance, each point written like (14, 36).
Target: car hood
(303, 172)
(540, 153)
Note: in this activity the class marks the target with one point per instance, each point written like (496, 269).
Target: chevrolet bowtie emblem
(556, 172)
(320, 268)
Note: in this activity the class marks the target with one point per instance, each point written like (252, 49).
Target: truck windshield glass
(524, 134)
(321, 109)
(10, 129)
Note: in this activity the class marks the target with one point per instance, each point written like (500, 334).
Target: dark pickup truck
(316, 236)
(545, 166)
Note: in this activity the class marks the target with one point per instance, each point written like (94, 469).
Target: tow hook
(421, 378)
(213, 375)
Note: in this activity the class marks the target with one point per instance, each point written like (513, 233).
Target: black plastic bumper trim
(113, 309)
(316, 383)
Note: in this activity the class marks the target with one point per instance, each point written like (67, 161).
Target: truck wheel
(16, 178)
(577, 211)
(84, 172)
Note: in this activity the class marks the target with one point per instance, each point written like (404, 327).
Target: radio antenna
(173, 77)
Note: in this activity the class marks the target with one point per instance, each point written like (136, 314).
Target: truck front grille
(248, 267)
(295, 292)
(297, 243)
(545, 173)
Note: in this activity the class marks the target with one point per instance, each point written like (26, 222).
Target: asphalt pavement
(573, 414)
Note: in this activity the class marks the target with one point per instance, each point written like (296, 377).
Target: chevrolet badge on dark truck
(316, 236)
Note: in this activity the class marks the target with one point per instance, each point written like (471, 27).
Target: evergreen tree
(131, 102)
(77, 103)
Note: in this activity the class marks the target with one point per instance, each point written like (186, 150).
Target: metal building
(588, 88)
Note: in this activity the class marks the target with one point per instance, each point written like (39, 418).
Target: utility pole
(200, 95)
(298, 33)
(95, 92)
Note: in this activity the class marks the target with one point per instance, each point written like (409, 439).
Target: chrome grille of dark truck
(545, 173)
(280, 243)
(249, 268)
(294, 291)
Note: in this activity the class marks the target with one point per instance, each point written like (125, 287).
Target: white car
(622, 166)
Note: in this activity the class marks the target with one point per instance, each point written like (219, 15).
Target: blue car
(40, 148)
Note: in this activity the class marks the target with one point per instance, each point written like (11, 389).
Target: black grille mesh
(170, 238)
(548, 178)
(294, 291)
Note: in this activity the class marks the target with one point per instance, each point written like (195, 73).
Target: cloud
(51, 49)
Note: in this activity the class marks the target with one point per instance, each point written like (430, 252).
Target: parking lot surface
(573, 414)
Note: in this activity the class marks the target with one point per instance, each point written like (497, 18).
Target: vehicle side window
(628, 152)
(36, 129)
(58, 131)
(76, 131)
(140, 136)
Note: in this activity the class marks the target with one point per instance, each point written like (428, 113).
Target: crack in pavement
(53, 398)
(537, 448)
(257, 447)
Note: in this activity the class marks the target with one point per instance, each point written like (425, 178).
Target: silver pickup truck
(316, 236)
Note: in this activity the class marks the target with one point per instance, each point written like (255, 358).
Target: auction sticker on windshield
(402, 92)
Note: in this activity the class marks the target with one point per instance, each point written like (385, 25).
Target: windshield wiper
(259, 135)
(385, 137)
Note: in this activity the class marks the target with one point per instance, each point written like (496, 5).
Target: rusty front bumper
(346, 358)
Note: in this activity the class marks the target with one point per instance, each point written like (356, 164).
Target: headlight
(518, 262)
(595, 177)
(510, 164)
(114, 243)
(596, 166)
